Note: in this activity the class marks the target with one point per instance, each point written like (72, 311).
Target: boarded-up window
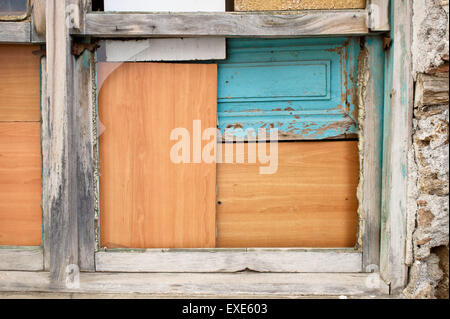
(20, 153)
(303, 88)
(13, 8)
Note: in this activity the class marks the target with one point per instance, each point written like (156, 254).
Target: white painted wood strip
(239, 284)
(15, 32)
(165, 5)
(378, 15)
(228, 261)
(21, 259)
(166, 49)
(225, 24)
(176, 49)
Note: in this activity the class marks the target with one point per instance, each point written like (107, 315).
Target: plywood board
(263, 5)
(309, 202)
(20, 184)
(20, 83)
(146, 200)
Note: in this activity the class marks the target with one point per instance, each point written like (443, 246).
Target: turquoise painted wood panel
(261, 81)
(303, 87)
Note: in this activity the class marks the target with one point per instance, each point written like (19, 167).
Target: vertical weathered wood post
(396, 145)
(371, 119)
(61, 183)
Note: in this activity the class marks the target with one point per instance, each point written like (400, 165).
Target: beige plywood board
(267, 5)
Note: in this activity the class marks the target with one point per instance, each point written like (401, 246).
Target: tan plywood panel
(20, 83)
(309, 202)
(146, 200)
(20, 184)
(267, 5)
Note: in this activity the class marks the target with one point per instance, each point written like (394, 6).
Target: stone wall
(428, 222)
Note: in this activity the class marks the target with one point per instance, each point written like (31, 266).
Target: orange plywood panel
(20, 184)
(146, 200)
(309, 202)
(20, 83)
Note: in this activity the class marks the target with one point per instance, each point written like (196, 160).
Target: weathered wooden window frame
(361, 258)
(69, 185)
(29, 258)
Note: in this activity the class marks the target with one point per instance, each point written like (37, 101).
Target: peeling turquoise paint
(404, 170)
(377, 70)
(302, 87)
(86, 59)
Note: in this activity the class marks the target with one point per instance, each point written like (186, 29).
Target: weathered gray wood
(378, 15)
(46, 165)
(36, 37)
(38, 21)
(371, 84)
(83, 141)
(431, 89)
(396, 145)
(228, 261)
(239, 284)
(228, 24)
(15, 32)
(69, 295)
(30, 259)
(61, 186)
(78, 10)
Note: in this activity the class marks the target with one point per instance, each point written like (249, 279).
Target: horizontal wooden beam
(225, 24)
(259, 260)
(15, 32)
(172, 285)
(31, 259)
